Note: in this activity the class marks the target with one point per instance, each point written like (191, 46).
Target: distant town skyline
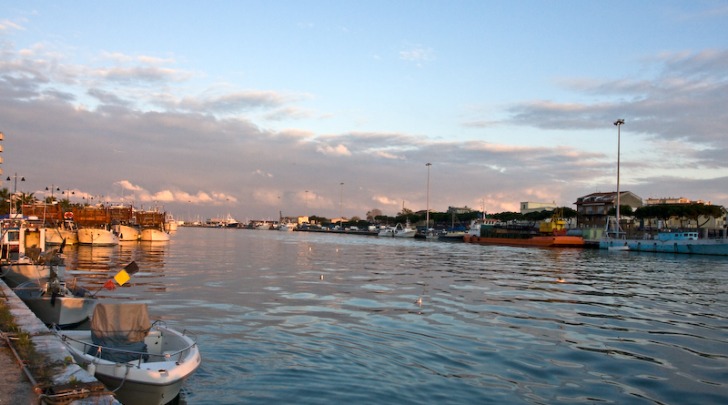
(336, 108)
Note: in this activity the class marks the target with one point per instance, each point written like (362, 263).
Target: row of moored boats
(139, 361)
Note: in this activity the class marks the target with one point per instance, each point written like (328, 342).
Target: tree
(373, 214)
(4, 201)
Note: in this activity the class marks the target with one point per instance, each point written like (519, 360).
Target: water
(318, 318)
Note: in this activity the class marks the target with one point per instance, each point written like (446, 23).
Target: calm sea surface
(324, 318)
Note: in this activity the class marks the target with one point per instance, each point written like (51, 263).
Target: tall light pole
(341, 199)
(427, 215)
(52, 189)
(15, 190)
(619, 124)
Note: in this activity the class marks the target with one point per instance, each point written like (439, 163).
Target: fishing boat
(57, 303)
(152, 224)
(141, 363)
(386, 231)
(66, 232)
(549, 234)
(101, 236)
(154, 235)
(678, 242)
(23, 254)
(126, 233)
(404, 231)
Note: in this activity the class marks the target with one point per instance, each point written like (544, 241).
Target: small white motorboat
(139, 363)
(56, 303)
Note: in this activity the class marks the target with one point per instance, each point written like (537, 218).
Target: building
(592, 209)
(529, 206)
(458, 210)
(681, 221)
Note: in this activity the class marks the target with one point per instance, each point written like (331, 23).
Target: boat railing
(135, 357)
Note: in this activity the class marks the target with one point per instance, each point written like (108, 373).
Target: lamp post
(341, 198)
(15, 190)
(427, 215)
(53, 189)
(619, 124)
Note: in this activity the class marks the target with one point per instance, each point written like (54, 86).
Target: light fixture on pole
(427, 215)
(15, 190)
(619, 124)
(341, 198)
(53, 189)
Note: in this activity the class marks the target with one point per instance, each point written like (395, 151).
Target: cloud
(7, 25)
(417, 54)
(335, 150)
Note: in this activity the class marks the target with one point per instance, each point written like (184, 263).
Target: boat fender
(91, 368)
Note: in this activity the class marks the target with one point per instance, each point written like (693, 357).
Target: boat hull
(713, 247)
(127, 233)
(154, 235)
(173, 358)
(63, 311)
(57, 236)
(25, 270)
(536, 241)
(97, 237)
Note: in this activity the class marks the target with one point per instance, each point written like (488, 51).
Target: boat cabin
(668, 236)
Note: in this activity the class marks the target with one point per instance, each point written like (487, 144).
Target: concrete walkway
(15, 387)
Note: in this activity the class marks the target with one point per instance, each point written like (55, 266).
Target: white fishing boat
(404, 231)
(100, 236)
(386, 232)
(170, 225)
(127, 232)
(66, 232)
(154, 235)
(23, 254)
(287, 226)
(56, 303)
(141, 364)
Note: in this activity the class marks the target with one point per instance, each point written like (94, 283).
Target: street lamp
(15, 186)
(341, 198)
(619, 124)
(52, 189)
(427, 215)
(15, 190)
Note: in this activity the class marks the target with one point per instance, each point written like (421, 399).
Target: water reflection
(295, 317)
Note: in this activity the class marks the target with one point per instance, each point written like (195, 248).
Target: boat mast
(619, 124)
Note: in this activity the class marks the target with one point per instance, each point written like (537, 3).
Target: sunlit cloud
(338, 150)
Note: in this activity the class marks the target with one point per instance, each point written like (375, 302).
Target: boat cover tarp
(120, 328)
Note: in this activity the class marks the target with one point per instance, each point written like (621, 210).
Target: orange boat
(549, 234)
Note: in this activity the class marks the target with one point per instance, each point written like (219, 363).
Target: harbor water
(312, 318)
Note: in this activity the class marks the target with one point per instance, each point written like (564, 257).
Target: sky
(329, 108)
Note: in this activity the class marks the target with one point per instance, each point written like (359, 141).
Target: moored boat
(97, 236)
(142, 364)
(673, 242)
(23, 254)
(404, 231)
(549, 234)
(127, 232)
(153, 235)
(66, 232)
(56, 303)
